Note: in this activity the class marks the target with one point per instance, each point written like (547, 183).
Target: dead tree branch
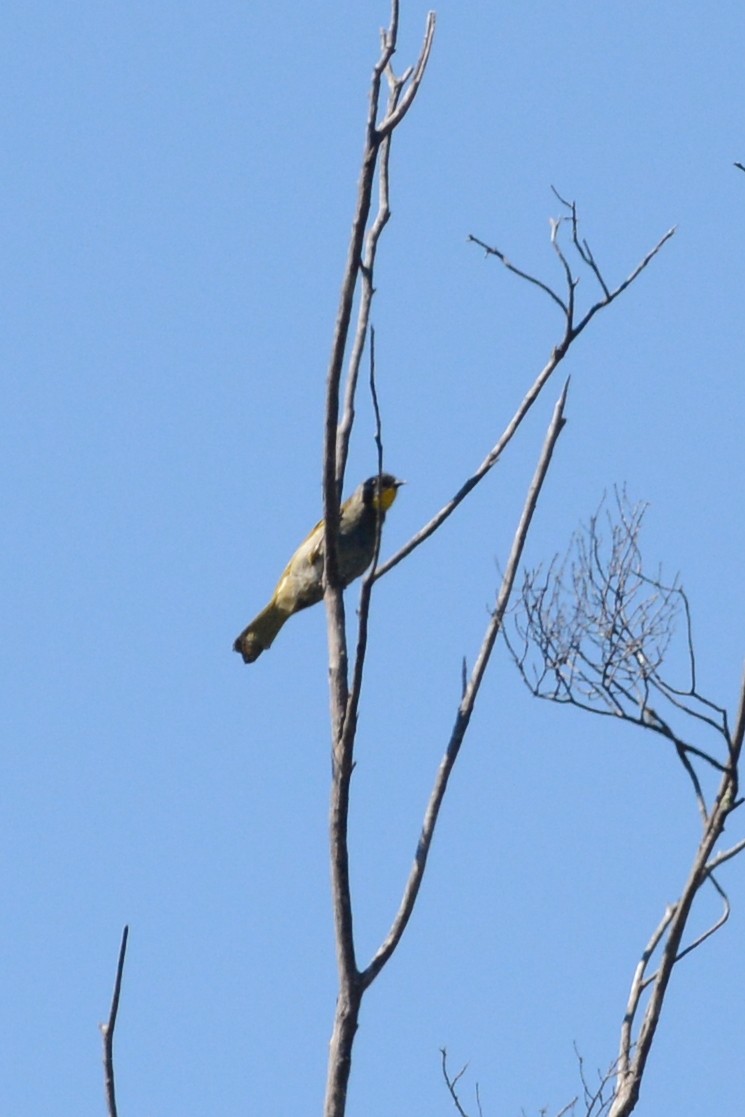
(339, 421)
(360, 262)
(452, 1082)
(593, 632)
(572, 330)
(633, 1055)
(597, 1098)
(355, 691)
(574, 326)
(107, 1030)
(468, 702)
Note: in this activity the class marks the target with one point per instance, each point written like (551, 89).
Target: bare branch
(739, 734)
(595, 1100)
(350, 717)
(467, 703)
(573, 329)
(491, 251)
(571, 282)
(726, 854)
(402, 91)
(490, 460)
(637, 988)
(571, 332)
(367, 269)
(593, 633)
(376, 409)
(626, 283)
(394, 116)
(631, 1069)
(337, 433)
(451, 1083)
(582, 247)
(568, 1108)
(107, 1030)
(336, 439)
(715, 926)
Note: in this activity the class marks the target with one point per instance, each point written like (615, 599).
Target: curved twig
(715, 926)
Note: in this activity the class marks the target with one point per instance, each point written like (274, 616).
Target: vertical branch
(336, 442)
(107, 1030)
(332, 475)
(350, 716)
(378, 426)
(367, 270)
(402, 92)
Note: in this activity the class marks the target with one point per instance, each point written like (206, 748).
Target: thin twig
(490, 460)
(107, 1030)
(715, 926)
(725, 855)
(568, 1108)
(376, 407)
(451, 1083)
(355, 690)
(491, 251)
(582, 247)
(626, 283)
(571, 332)
(594, 630)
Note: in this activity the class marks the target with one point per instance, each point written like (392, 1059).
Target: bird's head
(380, 491)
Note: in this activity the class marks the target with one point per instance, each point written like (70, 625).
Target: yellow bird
(301, 583)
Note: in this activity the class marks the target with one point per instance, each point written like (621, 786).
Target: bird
(301, 583)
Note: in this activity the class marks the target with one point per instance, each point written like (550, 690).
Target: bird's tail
(259, 635)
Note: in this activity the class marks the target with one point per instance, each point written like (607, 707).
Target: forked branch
(593, 632)
(360, 263)
(572, 330)
(574, 326)
(401, 93)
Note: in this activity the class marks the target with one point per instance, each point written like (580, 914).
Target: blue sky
(178, 191)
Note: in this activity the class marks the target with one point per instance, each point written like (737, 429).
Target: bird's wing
(309, 551)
